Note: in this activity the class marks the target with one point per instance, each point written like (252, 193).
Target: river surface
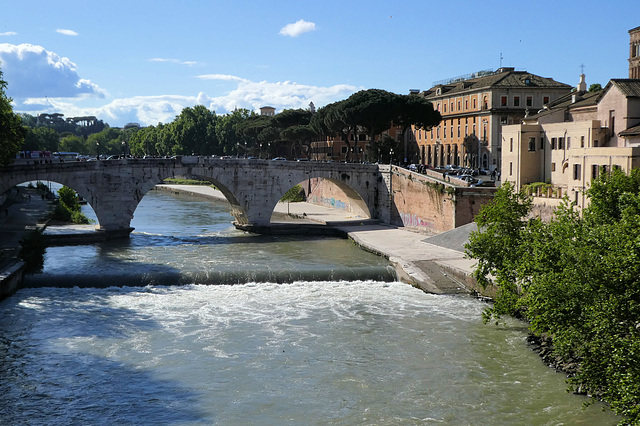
(191, 322)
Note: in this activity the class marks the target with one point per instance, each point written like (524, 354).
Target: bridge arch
(114, 188)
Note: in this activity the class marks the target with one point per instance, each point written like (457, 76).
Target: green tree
(575, 279)
(229, 133)
(595, 87)
(73, 143)
(194, 131)
(12, 133)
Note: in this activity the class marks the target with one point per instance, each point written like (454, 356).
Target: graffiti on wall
(330, 202)
(410, 219)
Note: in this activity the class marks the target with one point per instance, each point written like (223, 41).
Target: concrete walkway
(421, 260)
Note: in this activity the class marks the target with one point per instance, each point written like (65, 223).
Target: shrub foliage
(575, 279)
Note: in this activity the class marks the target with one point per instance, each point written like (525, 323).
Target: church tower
(634, 53)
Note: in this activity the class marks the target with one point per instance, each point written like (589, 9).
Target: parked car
(279, 159)
(483, 184)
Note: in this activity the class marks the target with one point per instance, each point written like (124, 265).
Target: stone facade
(474, 108)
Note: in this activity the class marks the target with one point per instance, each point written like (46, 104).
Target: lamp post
(245, 149)
(97, 150)
(390, 185)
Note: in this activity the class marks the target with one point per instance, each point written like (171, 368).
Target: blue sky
(143, 61)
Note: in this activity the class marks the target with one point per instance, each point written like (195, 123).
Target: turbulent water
(326, 337)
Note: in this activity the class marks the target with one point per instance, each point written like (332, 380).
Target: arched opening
(324, 200)
(48, 191)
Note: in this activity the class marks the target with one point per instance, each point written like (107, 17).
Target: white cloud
(151, 110)
(33, 72)
(223, 77)
(173, 61)
(297, 28)
(67, 32)
(9, 33)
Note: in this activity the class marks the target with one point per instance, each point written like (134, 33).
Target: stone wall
(419, 202)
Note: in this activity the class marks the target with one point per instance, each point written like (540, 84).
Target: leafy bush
(575, 279)
(32, 249)
(294, 195)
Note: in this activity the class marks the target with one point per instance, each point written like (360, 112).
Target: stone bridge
(114, 188)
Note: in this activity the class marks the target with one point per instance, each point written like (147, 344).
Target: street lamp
(97, 150)
(245, 149)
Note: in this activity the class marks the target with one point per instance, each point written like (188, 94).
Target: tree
(595, 87)
(575, 279)
(73, 143)
(228, 131)
(40, 139)
(194, 131)
(12, 133)
(300, 137)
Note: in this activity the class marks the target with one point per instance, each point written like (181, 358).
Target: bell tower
(634, 53)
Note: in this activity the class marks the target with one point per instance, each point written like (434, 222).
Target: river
(191, 322)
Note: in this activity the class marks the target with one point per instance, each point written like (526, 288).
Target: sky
(143, 61)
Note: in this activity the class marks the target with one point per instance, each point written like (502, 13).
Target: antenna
(582, 67)
(500, 59)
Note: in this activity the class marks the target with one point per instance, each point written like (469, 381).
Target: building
(269, 111)
(568, 143)
(474, 108)
(634, 53)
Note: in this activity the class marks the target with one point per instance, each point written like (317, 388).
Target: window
(510, 144)
(466, 104)
(503, 119)
(569, 142)
(516, 101)
(545, 100)
(451, 106)
(445, 107)
(466, 130)
(553, 143)
(474, 103)
(510, 169)
(577, 168)
(445, 132)
(560, 143)
(594, 171)
(452, 131)
(503, 101)
(532, 144)
(343, 149)
(553, 167)
(529, 101)
(595, 143)
(458, 105)
(581, 141)
(458, 130)
(541, 142)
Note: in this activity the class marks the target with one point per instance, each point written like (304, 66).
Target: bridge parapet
(114, 188)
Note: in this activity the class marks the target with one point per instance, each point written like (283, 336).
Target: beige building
(570, 141)
(474, 108)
